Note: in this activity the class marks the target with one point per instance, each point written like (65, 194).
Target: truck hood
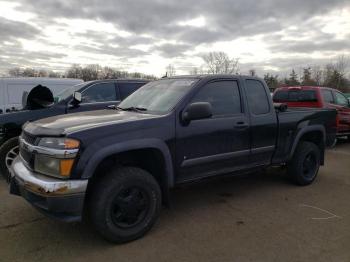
(66, 124)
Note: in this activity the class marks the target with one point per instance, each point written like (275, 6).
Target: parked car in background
(11, 89)
(318, 97)
(86, 96)
(119, 165)
(348, 96)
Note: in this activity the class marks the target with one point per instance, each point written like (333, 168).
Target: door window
(103, 92)
(327, 96)
(257, 97)
(223, 96)
(341, 99)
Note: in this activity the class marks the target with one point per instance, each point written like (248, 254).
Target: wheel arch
(315, 134)
(143, 150)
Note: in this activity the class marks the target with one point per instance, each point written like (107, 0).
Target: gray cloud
(225, 20)
(12, 30)
(312, 46)
(172, 50)
(158, 17)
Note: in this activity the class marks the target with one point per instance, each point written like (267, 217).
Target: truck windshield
(67, 92)
(159, 96)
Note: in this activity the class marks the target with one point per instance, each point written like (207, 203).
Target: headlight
(53, 166)
(55, 156)
(59, 143)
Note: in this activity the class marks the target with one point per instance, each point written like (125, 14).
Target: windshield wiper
(132, 108)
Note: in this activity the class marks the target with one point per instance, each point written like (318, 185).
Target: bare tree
(75, 71)
(220, 63)
(316, 74)
(29, 72)
(15, 72)
(252, 72)
(194, 71)
(170, 70)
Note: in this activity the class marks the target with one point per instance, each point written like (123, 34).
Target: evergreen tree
(307, 79)
(293, 79)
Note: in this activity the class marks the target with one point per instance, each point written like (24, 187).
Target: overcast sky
(147, 35)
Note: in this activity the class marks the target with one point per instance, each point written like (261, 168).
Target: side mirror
(76, 97)
(196, 111)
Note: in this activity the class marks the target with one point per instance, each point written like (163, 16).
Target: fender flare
(304, 131)
(104, 152)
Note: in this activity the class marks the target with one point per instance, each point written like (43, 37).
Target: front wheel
(8, 152)
(125, 204)
(304, 166)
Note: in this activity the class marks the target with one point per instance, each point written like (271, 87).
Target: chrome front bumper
(62, 199)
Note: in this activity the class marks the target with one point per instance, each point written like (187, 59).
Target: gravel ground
(260, 217)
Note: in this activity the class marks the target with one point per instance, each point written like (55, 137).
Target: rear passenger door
(263, 122)
(97, 96)
(221, 143)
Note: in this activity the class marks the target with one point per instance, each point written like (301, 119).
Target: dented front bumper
(61, 199)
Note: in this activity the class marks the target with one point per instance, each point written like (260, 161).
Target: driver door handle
(241, 125)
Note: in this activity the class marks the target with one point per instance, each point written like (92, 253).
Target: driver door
(209, 146)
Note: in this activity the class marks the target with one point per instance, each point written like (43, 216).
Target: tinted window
(295, 96)
(222, 95)
(99, 93)
(257, 98)
(341, 99)
(327, 96)
(280, 96)
(125, 89)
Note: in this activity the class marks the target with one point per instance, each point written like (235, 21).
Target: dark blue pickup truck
(93, 94)
(119, 164)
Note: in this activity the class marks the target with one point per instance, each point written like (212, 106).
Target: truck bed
(294, 119)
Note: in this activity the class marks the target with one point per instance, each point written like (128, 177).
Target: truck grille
(30, 139)
(26, 155)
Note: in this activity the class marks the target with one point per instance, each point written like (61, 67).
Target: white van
(12, 89)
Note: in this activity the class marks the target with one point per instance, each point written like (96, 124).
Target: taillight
(337, 120)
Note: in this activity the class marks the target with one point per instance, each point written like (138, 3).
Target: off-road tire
(304, 166)
(107, 191)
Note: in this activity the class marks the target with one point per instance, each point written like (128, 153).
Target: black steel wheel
(130, 207)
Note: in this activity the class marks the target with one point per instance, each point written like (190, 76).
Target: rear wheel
(8, 152)
(304, 166)
(125, 204)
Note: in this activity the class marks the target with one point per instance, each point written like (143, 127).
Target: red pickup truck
(318, 97)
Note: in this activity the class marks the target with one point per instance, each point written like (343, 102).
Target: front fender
(109, 150)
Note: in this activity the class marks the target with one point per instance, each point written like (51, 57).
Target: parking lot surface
(259, 217)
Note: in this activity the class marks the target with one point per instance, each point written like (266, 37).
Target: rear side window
(327, 96)
(223, 96)
(126, 89)
(103, 92)
(295, 96)
(257, 97)
(341, 99)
